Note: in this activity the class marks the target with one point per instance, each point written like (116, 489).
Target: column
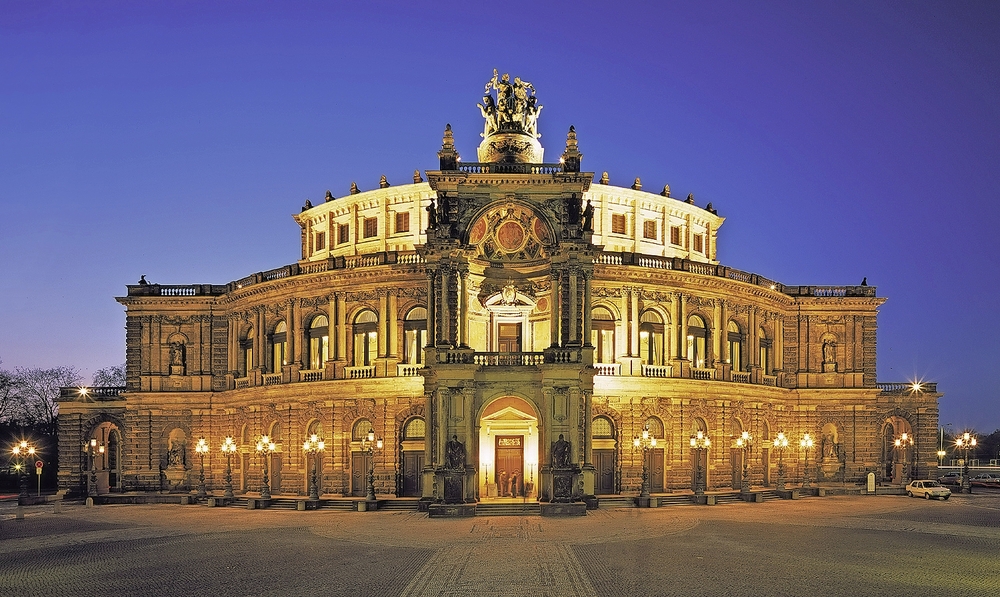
(718, 341)
(341, 326)
(779, 342)
(574, 315)
(634, 323)
(588, 433)
(752, 334)
(463, 306)
(624, 343)
(391, 324)
(260, 339)
(156, 343)
(331, 329)
(681, 328)
(431, 312)
(587, 309)
(234, 345)
(554, 309)
(383, 320)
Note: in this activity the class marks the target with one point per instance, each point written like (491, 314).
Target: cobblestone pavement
(882, 545)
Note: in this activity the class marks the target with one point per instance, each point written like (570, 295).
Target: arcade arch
(508, 449)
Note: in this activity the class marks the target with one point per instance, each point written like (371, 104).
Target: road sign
(38, 467)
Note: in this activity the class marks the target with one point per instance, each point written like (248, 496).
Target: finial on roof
(448, 157)
(416, 177)
(308, 205)
(383, 183)
(329, 195)
(666, 190)
(711, 209)
(637, 185)
(354, 188)
(571, 157)
(690, 199)
(864, 281)
(604, 178)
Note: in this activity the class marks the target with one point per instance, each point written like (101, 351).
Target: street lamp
(229, 448)
(265, 447)
(22, 452)
(94, 451)
(699, 442)
(644, 443)
(966, 442)
(201, 448)
(744, 442)
(781, 444)
(806, 443)
(903, 444)
(313, 446)
(370, 444)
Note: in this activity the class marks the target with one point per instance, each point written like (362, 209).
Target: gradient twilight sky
(175, 139)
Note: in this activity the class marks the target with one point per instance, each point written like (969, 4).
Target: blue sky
(841, 140)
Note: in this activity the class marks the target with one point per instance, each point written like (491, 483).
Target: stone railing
(722, 271)
(507, 359)
(242, 383)
(907, 387)
(608, 369)
(740, 376)
(363, 372)
(272, 379)
(703, 374)
(769, 380)
(408, 369)
(499, 168)
(311, 375)
(563, 355)
(96, 393)
(657, 371)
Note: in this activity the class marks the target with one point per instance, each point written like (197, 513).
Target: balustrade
(741, 376)
(610, 369)
(311, 375)
(242, 383)
(272, 379)
(703, 374)
(363, 372)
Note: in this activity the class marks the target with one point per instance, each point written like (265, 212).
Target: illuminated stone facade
(507, 327)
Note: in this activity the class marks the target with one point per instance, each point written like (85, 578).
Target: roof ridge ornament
(510, 134)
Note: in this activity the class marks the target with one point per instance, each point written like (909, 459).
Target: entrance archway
(508, 450)
(897, 460)
(106, 456)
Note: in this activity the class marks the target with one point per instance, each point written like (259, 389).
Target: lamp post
(781, 444)
(965, 443)
(644, 443)
(94, 450)
(903, 444)
(313, 446)
(700, 443)
(201, 448)
(265, 447)
(744, 442)
(229, 448)
(22, 452)
(370, 444)
(806, 443)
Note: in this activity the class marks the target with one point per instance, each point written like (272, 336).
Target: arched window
(765, 351)
(603, 428)
(415, 429)
(414, 335)
(319, 341)
(697, 338)
(365, 338)
(735, 337)
(602, 334)
(651, 338)
(361, 429)
(655, 427)
(279, 347)
(246, 348)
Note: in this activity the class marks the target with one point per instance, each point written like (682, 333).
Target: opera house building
(505, 328)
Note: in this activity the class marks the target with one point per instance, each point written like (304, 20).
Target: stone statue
(142, 280)
(354, 188)
(383, 183)
(416, 177)
(666, 190)
(588, 217)
(454, 454)
(828, 448)
(515, 109)
(604, 179)
(432, 216)
(308, 205)
(560, 453)
(829, 352)
(690, 199)
(176, 354)
(175, 454)
(329, 196)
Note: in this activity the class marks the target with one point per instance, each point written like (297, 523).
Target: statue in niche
(588, 217)
(176, 453)
(454, 454)
(573, 209)
(829, 353)
(560, 453)
(177, 358)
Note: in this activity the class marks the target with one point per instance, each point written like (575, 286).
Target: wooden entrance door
(275, 473)
(360, 463)
(509, 337)
(604, 462)
(413, 482)
(654, 466)
(509, 465)
(736, 457)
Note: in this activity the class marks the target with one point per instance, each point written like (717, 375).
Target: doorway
(508, 449)
(360, 465)
(509, 464)
(654, 466)
(604, 463)
(509, 337)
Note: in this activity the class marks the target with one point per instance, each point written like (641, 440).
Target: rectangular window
(675, 235)
(618, 223)
(343, 233)
(320, 241)
(649, 229)
(371, 227)
(402, 221)
(697, 243)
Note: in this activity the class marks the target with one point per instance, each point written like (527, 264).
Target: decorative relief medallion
(511, 233)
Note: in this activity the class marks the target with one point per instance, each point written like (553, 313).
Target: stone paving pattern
(881, 545)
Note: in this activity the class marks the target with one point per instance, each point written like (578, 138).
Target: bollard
(19, 513)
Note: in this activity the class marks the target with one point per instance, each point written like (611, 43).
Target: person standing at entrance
(503, 483)
(513, 485)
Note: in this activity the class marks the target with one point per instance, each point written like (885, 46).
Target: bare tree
(110, 377)
(8, 395)
(38, 392)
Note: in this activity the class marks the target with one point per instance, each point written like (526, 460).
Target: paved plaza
(857, 546)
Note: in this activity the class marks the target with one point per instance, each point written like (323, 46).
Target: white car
(928, 488)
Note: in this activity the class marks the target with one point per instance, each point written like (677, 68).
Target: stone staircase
(508, 509)
(616, 501)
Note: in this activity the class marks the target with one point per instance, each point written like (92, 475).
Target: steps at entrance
(616, 501)
(508, 509)
(729, 498)
(399, 505)
(675, 500)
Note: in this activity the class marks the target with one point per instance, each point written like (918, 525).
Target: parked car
(986, 480)
(927, 488)
(950, 479)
